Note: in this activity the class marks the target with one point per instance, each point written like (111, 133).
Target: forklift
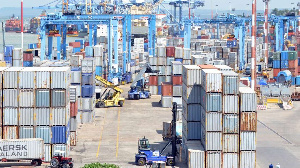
(146, 156)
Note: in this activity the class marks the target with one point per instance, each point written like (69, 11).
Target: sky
(222, 4)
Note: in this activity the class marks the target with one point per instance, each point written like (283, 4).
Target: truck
(22, 149)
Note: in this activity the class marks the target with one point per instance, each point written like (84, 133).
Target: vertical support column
(253, 46)
(180, 13)
(281, 35)
(90, 35)
(95, 35)
(64, 46)
(187, 34)
(50, 42)
(152, 33)
(43, 40)
(236, 32)
(218, 31)
(242, 45)
(58, 41)
(115, 34)
(266, 33)
(22, 36)
(129, 35)
(124, 44)
(109, 27)
(277, 36)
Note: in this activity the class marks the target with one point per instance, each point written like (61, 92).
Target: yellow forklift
(109, 99)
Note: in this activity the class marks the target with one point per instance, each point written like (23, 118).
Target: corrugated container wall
(10, 132)
(27, 78)
(195, 155)
(212, 141)
(11, 77)
(26, 116)
(10, 98)
(214, 159)
(248, 141)
(248, 121)
(60, 78)
(191, 75)
(211, 101)
(42, 116)
(248, 99)
(212, 121)
(10, 116)
(43, 77)
(248, 159)
(26, 132)
(230, 104)
(43, 132)
(26, 98)
(191, 111)
(230, 160)
(58, 98)
(190, 94)
(42, 98)
(211, 80)
(230, 83)
(231, 143)
(231, 123)
(191, 130)
(60, 115)
(47, 154)
(59, 135)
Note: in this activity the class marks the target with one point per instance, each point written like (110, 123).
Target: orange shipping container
(153, 80)
(166, 89)
(293, 63)
(73, 109)
(170, 51)
(275, 72)
(74, 44)
(248, 121)
(207, 67)
(177, 80)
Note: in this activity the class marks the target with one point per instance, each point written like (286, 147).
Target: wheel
(71, 165)
(101, 104)
(34, 163)
(121, 103)
(97, 105)
(170, 162)
(40, 162)
(54, 162)
(138, 97)
(65, 165)
(141, 162)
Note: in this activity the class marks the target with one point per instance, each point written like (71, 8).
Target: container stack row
(285, 60)
(8, 54)
(98, 56)
(36, 105)
(17, 59)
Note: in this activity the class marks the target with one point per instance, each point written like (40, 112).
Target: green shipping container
(276, 55)
(292, 55)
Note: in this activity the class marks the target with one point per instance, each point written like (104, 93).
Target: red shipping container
(86, 43)
(275, 72)
(74, 44)
(27, 56)
(207, 67)
(177, 80)
(73, 109)
(170, 51)
(293, 63)
(153, 80)
(166, 89)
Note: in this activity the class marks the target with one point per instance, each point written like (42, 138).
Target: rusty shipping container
(10, 132)
(231, 143)
(166, 89)
(248, 121)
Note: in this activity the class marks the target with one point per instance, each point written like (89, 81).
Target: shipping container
(211, 101)
(73, 109)
(161, 79)
(59, 98)
(60, 149)
(43, 132)
(191, 112)
(73, 124)
(195, 155)
(176, 68)
(42, 116)
(75, 60)
(87, 78)
(152, 60)
(212, 121)
(169, 62)
(166, 101)
(26, 116)
(59, 135)
(248, 141)
(230, 160)
(230, 83)
(214, 159)
(248, 99)
(11, 77)
(33, 149)
(177, 90)
(231, 123)
(10, 116)
(60, 115)
(47, 153)
(60, 78)
(190, 94)
(168, 70)
(10, 132)
(153, 90)
(166, 89)
(73, 138)
(26, 132)
(73, 95)
(191, 130)
(178, 52)
(191, 75)
(76, 76)
(27, 78)
(177, 100)
(87, 104)
(88, 65)
(153, 80)
(87, 91)
(211, 80)
(177, 80)
(43, 77)
(186, 53)
(161, 51)
(248, 159)
(161, 61)
(230, 104)
(10, 98)
(86, 117)
(248, 121)
(231, 143)
(42, 98)
(26, 98)
(212, 141)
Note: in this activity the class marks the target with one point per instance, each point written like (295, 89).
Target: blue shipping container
(276, 64)
(179, 59)
(284, 55)
(75, 69)
(59, 135)
(43, 132)
(27, 63)
(75, 50)
(7, 59)
(146, 47)
(32, 46)
(8, 50)
(284, 64)
(159, 90)
(99, 71)
(87, 78)
(297, 80)
(293, 80)
(89, 52)
(87, 91)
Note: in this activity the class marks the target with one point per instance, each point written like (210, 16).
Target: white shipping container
(178, 52)
(178, 100)
(98, 61)
(214, 159)
(248, 99)
(161, 61)
(231, 143)
(153, 60)
(230, 160)
(211, 80)
(60, 115)
(47, 153)
(76, 77)
(43, 77)
(27, 148)
(212, 121)
(191, 75)
(10, 116)
(17, 53)
(42, 116)
(191, 94)
(87, 103)
(211, 140)
(230, 104)
(26, 116)
(26, 98)
(176, 68)
(88, 65)
(60, 78)
(195, 154)
(186, 53)
(248, 141)
(248, 159)
(75, 60)
(168, 70)
(11, 77)
(10, 98)
(27, 78)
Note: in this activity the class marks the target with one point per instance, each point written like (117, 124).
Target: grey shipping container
(248, 99)
(191, 75)
(168, 70)
(60, 78)
(211, 101)
(231, 123)
(73, 124)
(58, 98)
(26, 132)
(87, 104)
(231, 143)
(248, 159)
(214, 159)
(27, 78)
(60, 115)
(176, 68)
(42, 116)
(191, 130)
(211, 80)
(42, 98)
(26, 116)
(177, 90)
(195, 155)
(76, 77)
(43, 77)
(190, 94)
(248, 141)
(230, 83)
(230, 104)
(43, 132)
(10, 97)
(26, 98)
(86, 117)
(88, 65)
(166, 101)
(211, 140)
(230, 160)
(10, 116)
(47, 154)
(212, 121)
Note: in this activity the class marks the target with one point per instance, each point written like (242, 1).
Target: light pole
(253, 47)
(266, 32)
(217, 10)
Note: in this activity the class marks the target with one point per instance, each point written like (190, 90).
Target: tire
(170, 162)
(65, 165)
(141, 162)
(71, 165)
(34, 163)
(54, 162)
(97, 105)
(101, 104)
(138, 97)
(121, 103)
